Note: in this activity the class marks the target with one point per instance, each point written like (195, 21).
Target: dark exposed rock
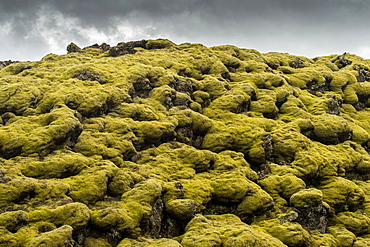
(122, 49)
(215, 207)
(204, 70)
(334, 105)
(152, 225)
(72, 137)
(313, 216)
(6, 116)
(183, 86)
(344, 61)
(186, 135)
(297, 63)
(3, 179)
(159, 224)
(183, 73)
(142, 88)
(126, 48)
(232, 67)
(139, 43)
(314, 86)
(3, 64)
(268, 147)
(270, 115)
(169, 100)
(363, 101)
(263, 170)
(180, 189)
(10, 153)
(357, 175)
(226, 76)
(363, 74)
(104, 47)
(272, 65)
(72, 47)
(86, 76)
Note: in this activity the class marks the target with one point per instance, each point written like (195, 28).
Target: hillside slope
(149, 143)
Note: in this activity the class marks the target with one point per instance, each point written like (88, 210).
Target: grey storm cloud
(30, 29)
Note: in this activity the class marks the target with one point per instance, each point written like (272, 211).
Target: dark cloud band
(284, 25)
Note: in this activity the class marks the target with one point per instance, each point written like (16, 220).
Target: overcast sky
(30, 29)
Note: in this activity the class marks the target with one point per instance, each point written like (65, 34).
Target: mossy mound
(150, 143)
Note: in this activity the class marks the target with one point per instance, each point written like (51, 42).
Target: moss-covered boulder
(224, 230)
(291, 234)
(306, 197)
(149, 242)
(61, 236)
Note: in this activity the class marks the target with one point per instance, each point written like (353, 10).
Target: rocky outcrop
(149, 143)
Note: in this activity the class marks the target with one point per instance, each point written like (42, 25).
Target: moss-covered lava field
(149, 143)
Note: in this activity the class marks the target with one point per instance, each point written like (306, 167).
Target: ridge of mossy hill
(149, 143)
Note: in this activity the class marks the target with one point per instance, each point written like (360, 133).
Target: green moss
(123, 180)
(355, 222)
(232, 187)
(291, 234)
(149, 243)
(159, 44)
(57, 165)
(96, 242)
(227, 160)
(61, 236)
(322, 239)
(117, 218)
(343, 237)
(140, 112)
(183, 209)
(13, 220)
(15, 191)
(40, 134)
(310, 163)
(6, 238)
(215, 88)
(361, 242)
(91, 184)
(17, 68)
(76, 215)
(224, 230)
(256, 202)
(111, 138)
(331, 129)
(265, 104)
(233, 103)
(196, 121)
(306, 197)
(281, 188)
(293, 108)
(140, 199)
(239, 134)
(288, 142)
(342, 194)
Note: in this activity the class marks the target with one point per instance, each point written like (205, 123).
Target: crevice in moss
(315, 86)
(190, 137)
(142, 87)
(232, 66)
(313, 216)
(214, 207)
